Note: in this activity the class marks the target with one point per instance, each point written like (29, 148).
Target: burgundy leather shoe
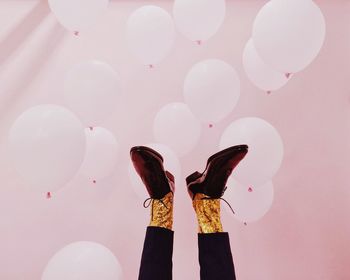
(149, 165)
(212, 182)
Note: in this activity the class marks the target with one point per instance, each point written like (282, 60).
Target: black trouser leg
(157, 254)
(215, 256)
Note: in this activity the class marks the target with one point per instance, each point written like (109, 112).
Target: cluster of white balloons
(211, 91)
(287, 36)
(83, 260)
(50, 144)
(151, 29)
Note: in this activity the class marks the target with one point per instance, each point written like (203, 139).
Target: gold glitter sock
(208, 213)
(162, 212)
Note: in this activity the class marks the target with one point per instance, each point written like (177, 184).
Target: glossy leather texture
(149, 166)
(212, 182)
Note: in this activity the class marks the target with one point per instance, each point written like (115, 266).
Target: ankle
(208, 213)
(162, 212)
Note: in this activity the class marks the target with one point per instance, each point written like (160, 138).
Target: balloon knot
(91, 127)
(245, 223)
(199, 42)
(94, 181)
(288, 75)
(210, 125)
(268, 92)
(150, 66)
(250, 189)
(76, 33)
(48, 195)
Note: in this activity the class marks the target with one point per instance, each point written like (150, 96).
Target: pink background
(306, 233)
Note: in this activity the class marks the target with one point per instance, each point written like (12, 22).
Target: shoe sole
(230, 149)
(144, 148)
(167, 174)
(196, 175)
(140, 148)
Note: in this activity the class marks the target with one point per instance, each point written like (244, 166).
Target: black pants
(215, 256)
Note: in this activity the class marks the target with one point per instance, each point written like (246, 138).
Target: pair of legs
(205, 190)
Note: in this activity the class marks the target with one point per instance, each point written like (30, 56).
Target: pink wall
(305, 235)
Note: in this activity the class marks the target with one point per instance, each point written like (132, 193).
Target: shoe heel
(194, 176)
(170, 176)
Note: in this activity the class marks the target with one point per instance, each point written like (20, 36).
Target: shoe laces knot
(149, 200)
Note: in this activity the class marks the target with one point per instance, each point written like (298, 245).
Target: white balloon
(91, 90)
(265, 153)
(47, 145)
(249, 203)
(177, 127)
(77, 15)
(171, 163)
(150, 33)
(83, 260)
(212, 90)
(101, 153)
(199, 20)
(259, 73)
(288, 34)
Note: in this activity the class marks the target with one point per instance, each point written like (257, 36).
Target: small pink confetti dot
(48, 195)
(199, 42)
(268, 92)
(94, 181)
(76, 33)
(151, 66)
(210, 125)
(288, 75)
(91, 128)
(250, 189)
(245, 223)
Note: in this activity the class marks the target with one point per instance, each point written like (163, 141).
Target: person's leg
(206, 190)
(156, 259)
(215, 256)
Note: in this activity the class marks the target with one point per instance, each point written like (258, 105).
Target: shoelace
(223, 191)
(150, 199)
(223, 200)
